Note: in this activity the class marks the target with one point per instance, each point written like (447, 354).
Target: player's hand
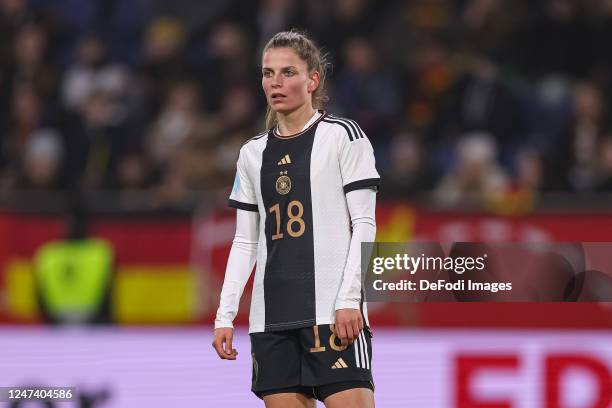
(349, 324)
(222, 343)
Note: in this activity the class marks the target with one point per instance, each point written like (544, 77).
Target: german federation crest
(283, 184)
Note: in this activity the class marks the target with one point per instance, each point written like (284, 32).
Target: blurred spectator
(193, 12)
(605, 164)
(274, 16)
(480, 101)
(205, 157)
(133, 172)
(487, 24)
(427, 81)
(193, 168)
(31, 63)
(96, 140)
(475, 178)
(575, 158)
(600, 45)
(534, 76)
(521, 194)
(42, 161)
(418, 24)
(529, 171)
(14, 14)
(367, 89)
(92, 72)
(548, 112)
(182, 143)
(74, 276)
(230, 61)
(226, 155)
(556, 39)
(180, 117)
(164, 61)
(408, 172)
(348, 19)
(238, 110)
(25, 118)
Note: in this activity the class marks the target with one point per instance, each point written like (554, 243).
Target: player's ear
(313, 83)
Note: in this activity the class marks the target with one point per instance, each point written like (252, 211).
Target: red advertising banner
(401, 222)
(171, 270)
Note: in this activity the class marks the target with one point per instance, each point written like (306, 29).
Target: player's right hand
(222, 343)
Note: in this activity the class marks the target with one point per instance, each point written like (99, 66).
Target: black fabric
(320, 393)
(243, 206)
(356, 130)
(360, 184)
(324, 391)
(346, 127)
(289, 282)
(299, 389)
(293, 360)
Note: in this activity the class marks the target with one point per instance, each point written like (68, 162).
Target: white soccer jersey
(297, 184)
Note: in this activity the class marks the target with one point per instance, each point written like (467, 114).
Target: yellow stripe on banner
(399, 227)
(154, 294)
(20, 297)
(141, 294)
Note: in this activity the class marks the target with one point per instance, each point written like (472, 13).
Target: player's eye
(290, 72)
(267, 74)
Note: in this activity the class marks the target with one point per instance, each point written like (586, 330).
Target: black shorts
(311, 361)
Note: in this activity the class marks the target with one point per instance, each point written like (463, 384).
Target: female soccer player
(305, 194)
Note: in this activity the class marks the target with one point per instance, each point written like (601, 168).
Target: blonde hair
(308, 52)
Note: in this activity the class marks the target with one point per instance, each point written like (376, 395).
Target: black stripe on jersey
(362, 135)
(346, 127)
(359, 184)
(356, 134)
(243, 206)
(356, 129)
(256, 137)
(289, 278)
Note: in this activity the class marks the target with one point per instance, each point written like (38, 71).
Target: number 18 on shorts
(310, 356)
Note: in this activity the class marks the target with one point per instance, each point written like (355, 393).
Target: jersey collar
(316, 118)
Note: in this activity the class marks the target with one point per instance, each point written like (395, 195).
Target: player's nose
(277, 81)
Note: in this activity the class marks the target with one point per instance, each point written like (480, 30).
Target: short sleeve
(357, 162)
(243, 194)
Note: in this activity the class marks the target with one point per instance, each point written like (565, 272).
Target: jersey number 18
(295, 210)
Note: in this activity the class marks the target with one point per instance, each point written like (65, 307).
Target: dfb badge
(283, 184)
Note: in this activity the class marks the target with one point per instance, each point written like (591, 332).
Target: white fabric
(312, 120)
(336, 161)
(244, 188)
(239, 266)
(362, 208)
(356, 160)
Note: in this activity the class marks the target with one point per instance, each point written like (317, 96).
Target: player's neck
(293, 122)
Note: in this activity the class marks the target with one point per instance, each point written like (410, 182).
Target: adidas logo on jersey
(285, 160)
(339, 364)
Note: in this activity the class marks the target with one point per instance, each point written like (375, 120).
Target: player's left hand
(349, 324)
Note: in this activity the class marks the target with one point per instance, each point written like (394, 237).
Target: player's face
(286, 81)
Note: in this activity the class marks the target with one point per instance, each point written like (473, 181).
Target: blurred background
(120, 125)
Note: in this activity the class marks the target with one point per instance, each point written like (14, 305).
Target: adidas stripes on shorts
(310, 360)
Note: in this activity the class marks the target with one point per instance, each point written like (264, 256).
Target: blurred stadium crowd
(469, 99)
